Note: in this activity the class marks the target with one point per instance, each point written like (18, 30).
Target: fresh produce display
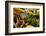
(23, 17)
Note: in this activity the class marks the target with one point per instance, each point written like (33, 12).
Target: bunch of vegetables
(32, 20)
